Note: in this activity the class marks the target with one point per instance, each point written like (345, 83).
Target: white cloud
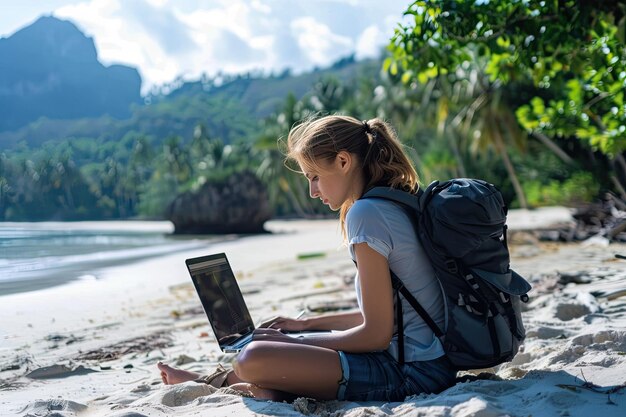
(260, 7)
(369, 43)
(122, 40)
(158, 3)
(168, 38)
(162, 24)
(318, 42)
(227, 40)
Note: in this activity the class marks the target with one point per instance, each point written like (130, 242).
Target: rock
(58, 371)
(239, 204)
(578, 277)
(582, 305)
(184, 359)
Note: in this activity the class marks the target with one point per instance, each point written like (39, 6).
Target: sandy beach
(90, 347)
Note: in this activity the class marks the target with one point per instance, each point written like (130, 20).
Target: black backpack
(461, 225)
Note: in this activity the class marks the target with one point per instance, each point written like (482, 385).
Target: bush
(581, 188)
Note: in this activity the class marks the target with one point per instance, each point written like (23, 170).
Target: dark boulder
(237, 204)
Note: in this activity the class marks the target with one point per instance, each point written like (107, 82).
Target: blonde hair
(373, 142)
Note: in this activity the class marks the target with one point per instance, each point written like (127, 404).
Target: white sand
(142, 313)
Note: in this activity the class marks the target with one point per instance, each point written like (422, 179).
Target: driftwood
(590, 386)
(605, 219)
(137, 345)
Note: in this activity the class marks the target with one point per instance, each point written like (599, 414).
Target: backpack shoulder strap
(416, 202)
(398, 285)
(407, 199)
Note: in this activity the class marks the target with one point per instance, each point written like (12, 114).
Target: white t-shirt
(387, 229)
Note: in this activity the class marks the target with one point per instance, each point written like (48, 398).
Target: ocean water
(40, 255)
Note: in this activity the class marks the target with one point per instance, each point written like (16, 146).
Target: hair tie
(366, 127)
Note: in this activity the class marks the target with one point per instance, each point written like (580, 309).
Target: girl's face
(333, 183)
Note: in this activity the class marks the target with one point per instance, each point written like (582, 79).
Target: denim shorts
(377, 376)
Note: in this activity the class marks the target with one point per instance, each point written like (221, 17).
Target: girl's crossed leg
(277, 371)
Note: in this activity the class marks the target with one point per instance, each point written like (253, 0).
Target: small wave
(40, 255)
(33, 268)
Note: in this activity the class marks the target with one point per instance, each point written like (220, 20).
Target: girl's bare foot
(171, 376)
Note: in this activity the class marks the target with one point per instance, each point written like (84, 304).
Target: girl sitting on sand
(342, 157)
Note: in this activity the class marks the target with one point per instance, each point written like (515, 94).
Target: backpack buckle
(452, 266)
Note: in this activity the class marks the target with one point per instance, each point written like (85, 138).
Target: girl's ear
(343, 161)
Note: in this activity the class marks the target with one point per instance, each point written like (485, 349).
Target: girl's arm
(376, 329)
(334, 321)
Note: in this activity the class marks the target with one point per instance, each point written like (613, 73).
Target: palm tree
(498, 127)
(6, 191)
(287, 190)
(176, 160)
(471, 114)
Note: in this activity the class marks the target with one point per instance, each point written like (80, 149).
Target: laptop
(223, 302)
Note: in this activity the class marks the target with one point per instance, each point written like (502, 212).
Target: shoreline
(88, 269)
(93, 265)
(40, 273)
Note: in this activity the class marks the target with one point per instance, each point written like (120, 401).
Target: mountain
(51, 69)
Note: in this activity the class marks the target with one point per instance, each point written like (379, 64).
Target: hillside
(231, 111)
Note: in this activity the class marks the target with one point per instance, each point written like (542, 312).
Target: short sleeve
(366, 224)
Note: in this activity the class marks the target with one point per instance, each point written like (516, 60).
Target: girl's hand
(284, 323)
(273, 335)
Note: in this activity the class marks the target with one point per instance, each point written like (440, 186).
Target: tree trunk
(501, 147)
(457, 155)
(553, 147)
(417, 161)
(619, 161)
(291, 195)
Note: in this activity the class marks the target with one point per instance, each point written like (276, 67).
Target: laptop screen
(220, 296)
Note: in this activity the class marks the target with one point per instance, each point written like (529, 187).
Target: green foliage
(48, 187)
(579, 189)
(156, 195)
(571, 54)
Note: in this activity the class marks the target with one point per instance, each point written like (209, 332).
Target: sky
(166, 39)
